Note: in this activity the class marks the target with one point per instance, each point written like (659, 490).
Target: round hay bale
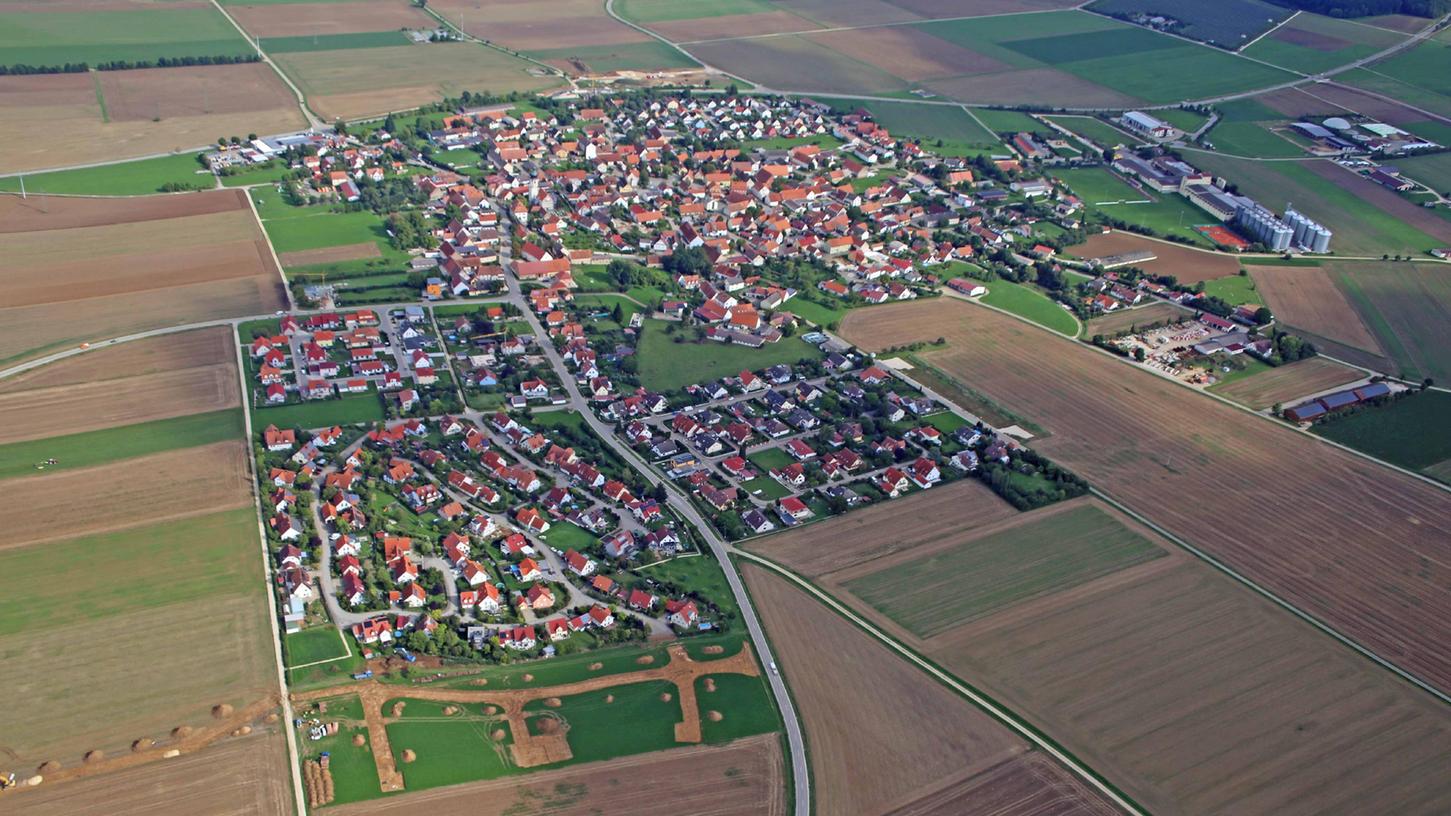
(666, 697)
(548, 725)
(713, 649)
(398, 708)
(271, 718)
(359, 741)
(497, 735)
(221, 711)
(408, 755)
(181, 732)
(95, 756)
(49, 766)
(714, 716)
(34, 780)
(449, 711)
(141, 745)
(710, 684)
(528, 678)
(596, 666)
(553, 702)
(482, 681)
(172, 754)
(490, 710)
(645, 660)
(609, 698)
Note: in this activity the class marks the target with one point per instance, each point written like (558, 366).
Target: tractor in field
(7, 781)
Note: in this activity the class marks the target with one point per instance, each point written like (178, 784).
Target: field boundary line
(1277, 600)
(271, 249)
(294, 757)
(1023, 728)
(1272, 29)
(346, 648)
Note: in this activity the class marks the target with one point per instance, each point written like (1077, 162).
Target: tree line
(127, 65)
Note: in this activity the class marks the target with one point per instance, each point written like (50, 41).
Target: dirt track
(1362, 547)
(531, 750)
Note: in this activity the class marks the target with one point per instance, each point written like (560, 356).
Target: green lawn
(770, 488)
(768, 459)
(314, 644)
(596, 726)
(133, 35)
(1234, 290)
(701, 573)
(114, 444)
(139, 177)
(1412, 432)
(297, 228)
(346, 410)
(1100, 132)
(566, 536)
(1048, 553)
(744, 703)
(111, 574)
(1029, 303)
(666, 365)
(1104, 194)
(450, 750)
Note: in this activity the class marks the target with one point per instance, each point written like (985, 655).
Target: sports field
(41, 38)
(666, 365)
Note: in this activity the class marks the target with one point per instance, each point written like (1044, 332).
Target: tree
(618, 315)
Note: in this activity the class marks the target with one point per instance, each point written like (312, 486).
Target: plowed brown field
(39, 212)
(1186, 264)
(527, 25)
(1305, 297)
(66, 409)
(884, 736)
(743, 778)
(307, 19)
(146, 490)
(164, 353)
(909, 53)
(1361, 547)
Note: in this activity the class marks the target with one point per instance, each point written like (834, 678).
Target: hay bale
(408, 755)
(553, 702)
(49, 766)
(398, 708)
(482, 681)
(34, 780)
(596, 666)
(172, 754)
(359, 740)
(714, 716)
(528, 678)
(645, 660)
(141, 745)
(666, 697)
(497, 735)
(181, 732)
(222, 711)
(710, 684)
(490, 710)
(713, 649)
(271, 718)
(94, 756)
(449, 711)
(609, 698)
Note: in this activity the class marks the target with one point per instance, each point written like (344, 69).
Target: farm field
(933, 745)
(1367, 219)
(1007, 121)
(1410, 432)
(525, 26)
(1236, 466)
(1095, 130)
(1186, 264)
(793, 62)
(346, 83)
(1236, 290)
(959, 132)
(650, 55)
(1130, 320)
(1408, 309)
(666, 365)
(138, 177)
(1286, 383)
(1228, 23)
(1418, 76)
(741, 777)
(293, 230)
(123, 114)
(1107, 197)
(88, 448)
(131, 671)
(1307, 299)
(1244, 129)
(1033, 555)
(138, 34)
(1031, 304)
(307, 19)
(1310, 43)
(183, 267)
(1433, 170)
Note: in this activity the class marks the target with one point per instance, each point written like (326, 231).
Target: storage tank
(1320, 239)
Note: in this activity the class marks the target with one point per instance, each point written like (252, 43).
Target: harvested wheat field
(887, 531)
(731, 26)
(308, 19)
(195, 104)
(1187, 264)
(244, 775)
(1359, 546)
(910, 53)
(883, 734)
(153, 355)
(333, 254)
(529, 25)
(1287, 383)
(145, 490)
(1306, 298)
(849, 12)
(41, 212)
(742, 778)
(86, 406)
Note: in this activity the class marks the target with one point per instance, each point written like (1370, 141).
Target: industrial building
(1295, 231)
(1148, 126)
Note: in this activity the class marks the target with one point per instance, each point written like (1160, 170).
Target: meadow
(1098, 131)
(99, 447)
(1226, 23)
(138, 177)
(450, 751)
(749, 703)
(666, 365)
(1027, 302)
(1411, 431)
(133, 35)
(1311, 43)
(1234, 290)
(595, 718)
(293, 229)
(1105, 194)
(349, 409)
(1243, 130)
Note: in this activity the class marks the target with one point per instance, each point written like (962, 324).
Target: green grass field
(291, 229)
(769, 459)
(744, 703)
(1104, 193)
(959, 133)
(1187, 121)
(114, 574)
(820, 314)
(637, 56)
(450, 750)
(334, 42)
(1234, 290)
(596, 726)
(1412, 432)
(139, 177)
(1337, 42)
(565, 536)
(701, 573)
(346, 410)
(314, 644)
(1029, 303)
(134, 35)
(1100, 132)
(355, 775)
(823, 140)
(1226, 22)
(1433, 170)
(666, 365)
(266, 174)
(1408, 308)
(114, 444)
(458, 157)
(659, 11)
(1045, 554)
(770, 488)
(1008, 121)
